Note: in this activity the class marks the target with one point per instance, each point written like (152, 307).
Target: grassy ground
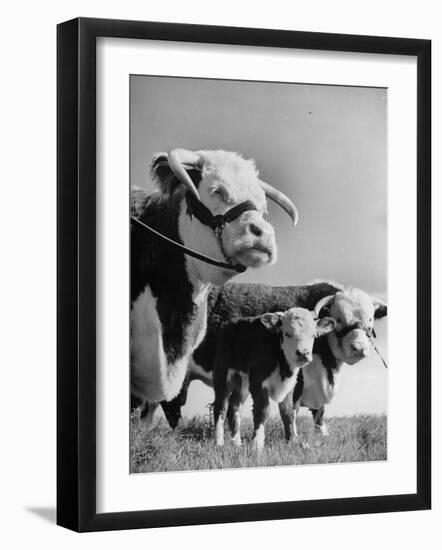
(352, 439)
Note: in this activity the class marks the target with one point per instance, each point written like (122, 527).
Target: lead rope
(235, 267)
(378, 352)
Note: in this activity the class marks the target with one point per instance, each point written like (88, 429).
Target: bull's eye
(220, 192)
(287, 335)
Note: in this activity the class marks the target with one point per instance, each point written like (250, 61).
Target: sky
(323, 146)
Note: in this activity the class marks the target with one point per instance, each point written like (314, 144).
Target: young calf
(354, 312)
(261, 355)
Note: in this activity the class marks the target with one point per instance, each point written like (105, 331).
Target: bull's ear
(272, 321)
(164, 177)
(325, 325)
(380, 308)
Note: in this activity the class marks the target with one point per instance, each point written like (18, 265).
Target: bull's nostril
(255, 230)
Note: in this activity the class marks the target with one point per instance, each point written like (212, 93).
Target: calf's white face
(298, 329)
(354, 312)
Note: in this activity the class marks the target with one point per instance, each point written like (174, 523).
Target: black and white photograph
(258, 273)
(218, 274)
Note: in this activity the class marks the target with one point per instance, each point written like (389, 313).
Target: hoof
(236, 441)
(181, 424)
(257, 446)
(323, 430)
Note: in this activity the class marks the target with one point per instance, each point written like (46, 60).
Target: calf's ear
(325, 325)
(272, 321)
(380, 308)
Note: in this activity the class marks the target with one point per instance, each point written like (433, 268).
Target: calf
(354, 312)
(262, 356)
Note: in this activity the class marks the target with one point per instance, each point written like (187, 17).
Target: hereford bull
(211, 202)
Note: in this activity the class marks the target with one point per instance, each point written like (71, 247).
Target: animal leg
(172, 409)
(261, 413)
(147, 414)
(318, 417)
(135, 403)
(222, 395)
(234, 413)
(287, 412)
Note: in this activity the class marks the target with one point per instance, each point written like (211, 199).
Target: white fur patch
(238, 175)
(323, 430)
(317, 389)
(277, 387)
(236, 437)
(153, 378)
(219, 431)
(258, 440)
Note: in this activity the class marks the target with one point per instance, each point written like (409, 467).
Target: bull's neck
(180, 294)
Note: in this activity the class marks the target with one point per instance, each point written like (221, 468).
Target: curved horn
(176, 158)
(284, 202)
(322, 303)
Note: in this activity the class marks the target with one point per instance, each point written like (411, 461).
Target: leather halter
(370, 332)
(356, 326)
(217, 223)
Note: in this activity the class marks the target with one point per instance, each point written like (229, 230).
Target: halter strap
(355, 326)
(371, 335)
(204, 215)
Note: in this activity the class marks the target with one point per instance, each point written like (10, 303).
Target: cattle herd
(201, 227)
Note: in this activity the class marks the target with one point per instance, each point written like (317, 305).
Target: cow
(210, 203)
(261, 355)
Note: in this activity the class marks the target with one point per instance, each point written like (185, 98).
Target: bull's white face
(228, 180)
(223, 181)
(352, 308)
(298, 330)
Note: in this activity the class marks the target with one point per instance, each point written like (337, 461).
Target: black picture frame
(76, 274)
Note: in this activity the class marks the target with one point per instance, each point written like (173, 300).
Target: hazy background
(325, 147)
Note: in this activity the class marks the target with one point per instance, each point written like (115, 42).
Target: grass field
(352, 439)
